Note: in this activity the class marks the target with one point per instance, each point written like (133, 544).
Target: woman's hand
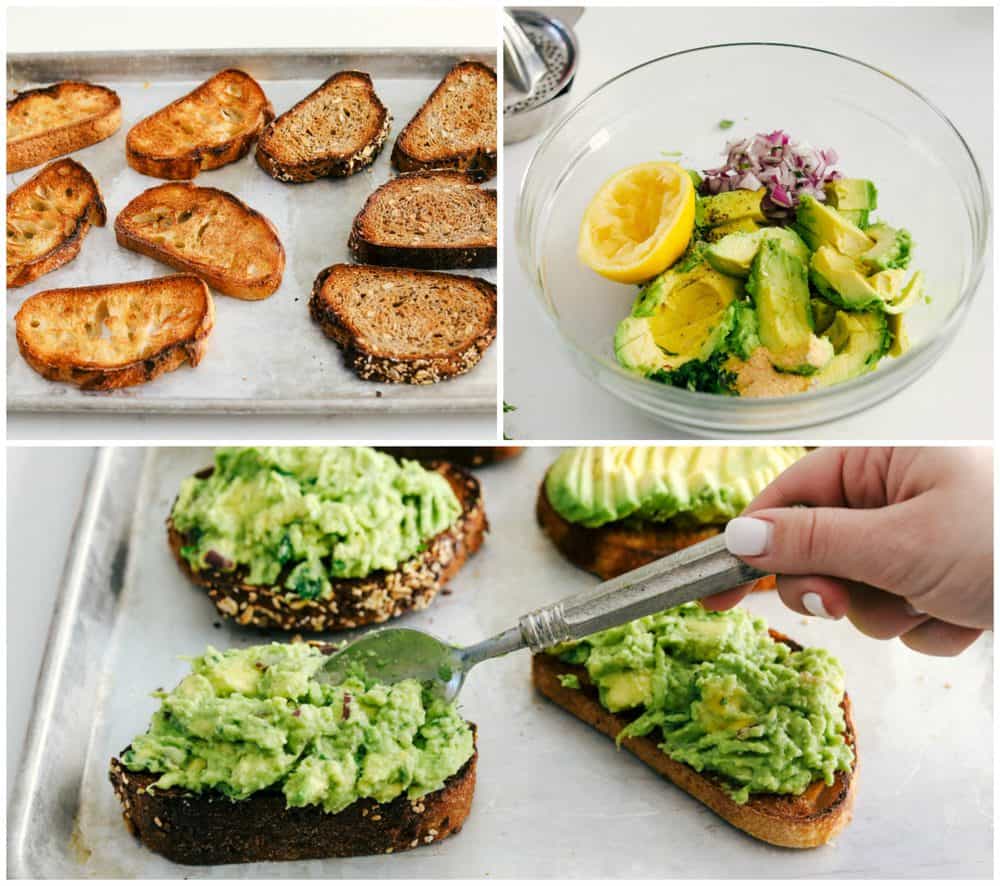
(900, 540)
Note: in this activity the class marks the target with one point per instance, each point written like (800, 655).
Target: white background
(145, 27)
(944, 53)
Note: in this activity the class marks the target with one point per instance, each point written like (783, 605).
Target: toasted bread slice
(621, 546)
(395, 325)
(467, 456)
(210, 828)
(355, 602)
(438, 219)
(207, 232)
(59, 119)
(211, 126)
(104, 337)
(456, 128)
(48, 217)
(797, 822)
(336, 130)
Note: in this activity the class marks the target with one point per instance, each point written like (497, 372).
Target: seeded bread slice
(210, 828)
(456, 128)
(207, 232)
(117, 335)
(59, 119)
(621, 546)
(438, 219)
(214, 124)
(395, 325)
(336, 130)
(48, 217)
(796, 822)
(355, 602)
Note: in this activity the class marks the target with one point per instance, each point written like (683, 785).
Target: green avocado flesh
(310, 514)
(252, 719)
(723, 697)
(594, 485)
(746, 310)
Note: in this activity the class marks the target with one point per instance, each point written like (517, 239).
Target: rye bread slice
(208, 232)
(467, 456)
(437, 219)
(54, 120)
(335, 131)
(796, 822)
(355, 602)
(213, 125)
(209, 828)
(456, 128)
(48, 217)
(395, 325)
(621, 546)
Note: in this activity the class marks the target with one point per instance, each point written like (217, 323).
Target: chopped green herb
(509, 407)
(569, 681)
(726, 124)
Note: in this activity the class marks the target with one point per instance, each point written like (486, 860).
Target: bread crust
(482, 164)
(37, 149)
(418, 370)
(93, 214)
(91, 377)
(618, 547)
(331, 165)
(796, 822)
(203, 156)
(366, 249)
(220, 278)
(355, 602)
(208, 828)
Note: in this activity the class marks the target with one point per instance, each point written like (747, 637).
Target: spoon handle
(690, 574)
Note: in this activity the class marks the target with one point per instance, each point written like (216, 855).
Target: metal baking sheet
(266, 356)
(554, 798)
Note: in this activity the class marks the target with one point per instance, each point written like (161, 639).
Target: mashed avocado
(310, 513)
(249, 719)
(725, 697)
(594, 485)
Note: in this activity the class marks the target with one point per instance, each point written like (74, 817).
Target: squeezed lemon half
(639, 223)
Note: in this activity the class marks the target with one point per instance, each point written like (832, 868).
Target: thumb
(861, 545)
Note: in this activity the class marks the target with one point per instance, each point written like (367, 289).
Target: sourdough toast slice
(48, 217)
(336, 130)
(207, 232)
(615, 548)
(414, 327)
(437, 219)
(54, 120)
(210, 828)
(355, 602)
(796, 822)
(456, 128)
(214, 124)
(114, 336)
(466, 456)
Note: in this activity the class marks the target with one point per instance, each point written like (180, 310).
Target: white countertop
(945, 53)
(77, 29)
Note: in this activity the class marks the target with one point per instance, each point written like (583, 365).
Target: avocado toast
(612, 509)
(324, 538)
(250, 758)
(740, 717)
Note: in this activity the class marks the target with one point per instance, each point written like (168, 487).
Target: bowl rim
(698, 399)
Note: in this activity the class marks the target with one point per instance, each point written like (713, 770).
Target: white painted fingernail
(747, 536)
(814, 605)
(912, 610)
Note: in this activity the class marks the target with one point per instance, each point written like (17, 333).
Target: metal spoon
(394, 654)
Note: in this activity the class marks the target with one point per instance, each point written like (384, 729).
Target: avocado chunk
(730, 206)
(734, 253)
(911, 293)
(851, 194)
(823, 314)
(740, 226)
(859, 341)
(891, 250)
(900, 340)
(839, 278)
(821, 225)
(779, 287)
(635, 347)
(859, 217)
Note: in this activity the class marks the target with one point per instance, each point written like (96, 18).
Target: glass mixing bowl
(883, 130)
